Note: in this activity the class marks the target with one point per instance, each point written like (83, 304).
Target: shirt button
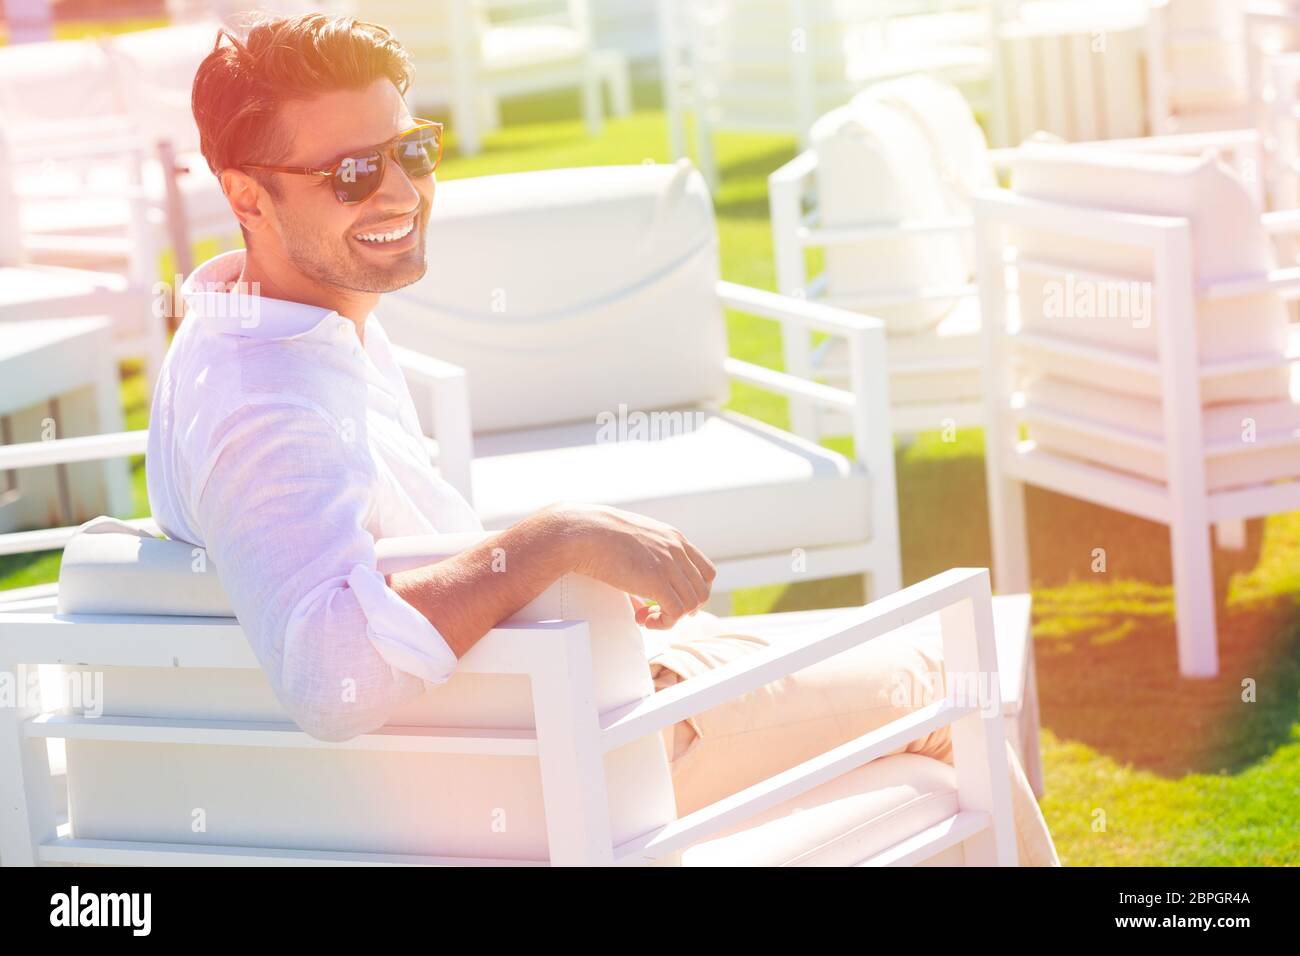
(344, 325)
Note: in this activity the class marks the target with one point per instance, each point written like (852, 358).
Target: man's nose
(397, 191)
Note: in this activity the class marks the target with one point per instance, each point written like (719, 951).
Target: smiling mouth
(392, 235)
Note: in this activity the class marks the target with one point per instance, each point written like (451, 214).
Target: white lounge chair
(544, 747)
(585, 307)
(469, 54)
(1167, 398)
(885, 192)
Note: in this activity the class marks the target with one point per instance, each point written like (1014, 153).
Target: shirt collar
(208, 298)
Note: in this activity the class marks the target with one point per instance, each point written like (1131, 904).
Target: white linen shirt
(285, 448)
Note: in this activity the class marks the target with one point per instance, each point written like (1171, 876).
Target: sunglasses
(356, 178)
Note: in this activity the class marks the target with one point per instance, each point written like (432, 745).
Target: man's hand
(464, 596)
(638, 555)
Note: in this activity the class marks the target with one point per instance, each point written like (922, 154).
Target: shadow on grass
(1104, 640)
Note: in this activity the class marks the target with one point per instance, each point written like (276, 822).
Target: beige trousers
(751, 737)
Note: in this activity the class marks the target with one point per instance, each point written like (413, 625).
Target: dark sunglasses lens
(358, 177)
(418, 150)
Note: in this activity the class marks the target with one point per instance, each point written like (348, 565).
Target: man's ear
(248, 199)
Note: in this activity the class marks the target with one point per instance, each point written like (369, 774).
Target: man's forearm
(466, 595)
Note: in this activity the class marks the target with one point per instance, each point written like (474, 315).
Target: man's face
(318, 234)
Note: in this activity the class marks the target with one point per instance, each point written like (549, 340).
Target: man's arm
(467, 595)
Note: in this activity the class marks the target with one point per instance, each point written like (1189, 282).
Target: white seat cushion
(843, 821)
(1260, 441)
(734, 486)
(951, 349)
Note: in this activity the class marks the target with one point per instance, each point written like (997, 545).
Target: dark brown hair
(241, 84)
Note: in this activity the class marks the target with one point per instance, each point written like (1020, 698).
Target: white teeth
(399, 233)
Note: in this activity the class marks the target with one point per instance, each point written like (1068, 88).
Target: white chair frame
(475, 90)
(1160, 90)
(796, 227)
(450, 445)
(684, 93)
(570, 740)
(1183, 503)
(115, 145)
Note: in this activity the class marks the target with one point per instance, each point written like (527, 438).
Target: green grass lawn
(1142, 767)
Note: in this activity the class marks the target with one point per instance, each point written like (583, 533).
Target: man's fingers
(705, 566)
(688, 580)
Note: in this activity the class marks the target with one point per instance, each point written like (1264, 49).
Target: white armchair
(1144, 345)
(177, 752)
(586, 309)
(885, 193)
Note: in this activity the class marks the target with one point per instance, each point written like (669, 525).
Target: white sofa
(544, 747)
(586, 310)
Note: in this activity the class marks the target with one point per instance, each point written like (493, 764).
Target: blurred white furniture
(775, 65)
(1196, 66)
(1283, 71)
(628, 26)
(469, 54)
(1270, 27)
(893, 173)
(586, 309)
(445, 410)
(177, 752)
(1074, 69)
(58, 380)
(30, 291)
(1144, 346)
(1272, 38)
(86, 182)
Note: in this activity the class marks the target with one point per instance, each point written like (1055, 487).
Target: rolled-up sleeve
(282, 502)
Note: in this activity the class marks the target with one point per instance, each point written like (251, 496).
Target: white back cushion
(334, 797)
(877, 166)
(1227, 243)
(568, 292)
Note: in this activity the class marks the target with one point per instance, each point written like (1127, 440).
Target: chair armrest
(962, 597)
(1276, 280)
(873, 437)
(449, 413)
(66, 451)
(795, 171)
(810, 316)
(1281, 222)
(792, 386)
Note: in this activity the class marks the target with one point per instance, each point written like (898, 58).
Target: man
(283, 438)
